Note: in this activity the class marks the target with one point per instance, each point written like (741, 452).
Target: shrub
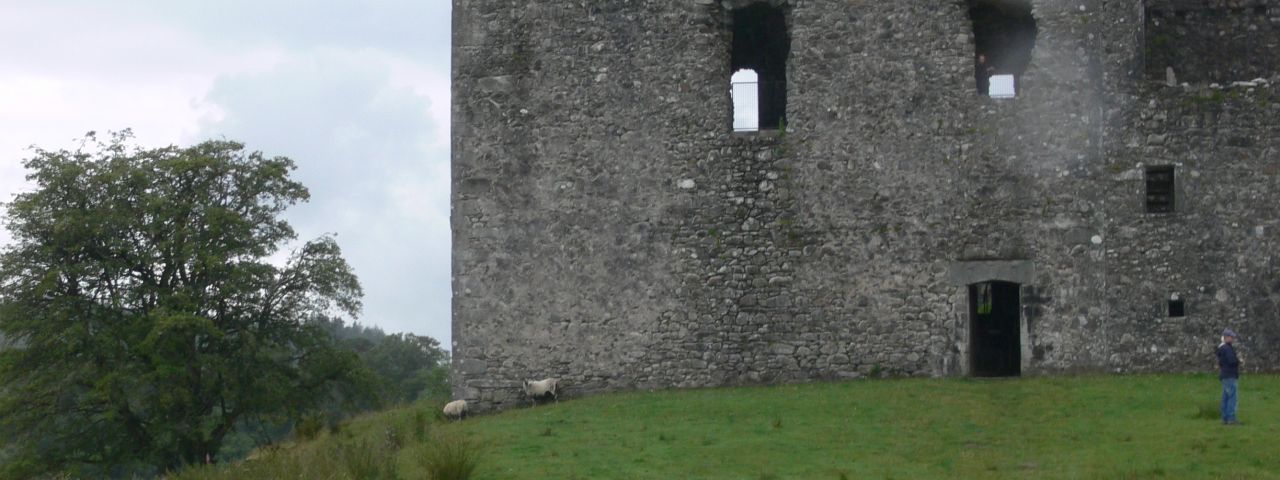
(449, 456)
(420, 422)
(877, 371)
(394, 437)
(365, 460)
(309, 426)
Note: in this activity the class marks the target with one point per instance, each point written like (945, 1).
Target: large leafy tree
(144, 314)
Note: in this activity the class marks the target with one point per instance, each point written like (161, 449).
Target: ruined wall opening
(1004, 34)
(1203, 42)
(995, 334)
(1160, 189)
(761, 44)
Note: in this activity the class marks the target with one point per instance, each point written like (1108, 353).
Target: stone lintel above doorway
(970, 272)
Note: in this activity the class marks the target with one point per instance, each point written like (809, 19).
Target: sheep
(456, 409)
(541, 389)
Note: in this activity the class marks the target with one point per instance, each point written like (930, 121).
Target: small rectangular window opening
(1004, 33)
(758, 62)
(1160, 189)
(1177, 308)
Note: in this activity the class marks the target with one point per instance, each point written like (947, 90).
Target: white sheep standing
(541, 389)
(456, 409)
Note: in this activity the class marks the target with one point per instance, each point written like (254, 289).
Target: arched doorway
(995, 336)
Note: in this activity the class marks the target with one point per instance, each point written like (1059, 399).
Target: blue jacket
(1228, 362)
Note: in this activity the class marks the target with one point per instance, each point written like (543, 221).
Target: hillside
(1073, 427)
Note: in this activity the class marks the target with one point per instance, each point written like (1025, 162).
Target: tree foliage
(409, 366)
(146, 317)
(405, 366)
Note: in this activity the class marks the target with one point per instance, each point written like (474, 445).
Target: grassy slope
(1073, 427)
(1089, 427)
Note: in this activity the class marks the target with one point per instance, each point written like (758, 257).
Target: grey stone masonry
(1212, 40)
(611, 229)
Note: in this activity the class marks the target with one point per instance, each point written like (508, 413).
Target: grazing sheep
(456, 409)
(541, 389)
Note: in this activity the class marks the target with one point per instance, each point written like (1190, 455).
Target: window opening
(746, 101)
(1004, 33)
(761, 44)
(1177, 308)
(983, 298)
(1160, 189)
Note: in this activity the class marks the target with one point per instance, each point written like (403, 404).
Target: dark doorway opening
(761, 44)
(995, 337)
(1004, 33)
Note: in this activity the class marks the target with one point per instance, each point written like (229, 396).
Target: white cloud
(431, 83)
(66, 69)
(367, 146)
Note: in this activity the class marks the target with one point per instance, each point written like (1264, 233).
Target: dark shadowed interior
(995, 347)
(1160, 189)
(1004, 33)
(761, 43)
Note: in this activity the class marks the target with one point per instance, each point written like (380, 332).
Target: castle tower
(667, 194)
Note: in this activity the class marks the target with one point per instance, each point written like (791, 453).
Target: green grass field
(1162, 426)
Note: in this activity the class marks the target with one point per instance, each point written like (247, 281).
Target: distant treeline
(403, 367)
(407, 366)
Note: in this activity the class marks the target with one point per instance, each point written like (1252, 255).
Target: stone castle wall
(1212, 40)
(611, 230)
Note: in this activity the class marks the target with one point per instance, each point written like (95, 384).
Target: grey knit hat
(1230, 333)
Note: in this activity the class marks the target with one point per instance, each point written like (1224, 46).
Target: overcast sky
(356, 92)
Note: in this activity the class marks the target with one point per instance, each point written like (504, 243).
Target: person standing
(1229, 374)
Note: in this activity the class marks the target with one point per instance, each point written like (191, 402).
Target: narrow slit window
(1004, 33)
(761, 45)
(746, 101)
(1160, 189)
